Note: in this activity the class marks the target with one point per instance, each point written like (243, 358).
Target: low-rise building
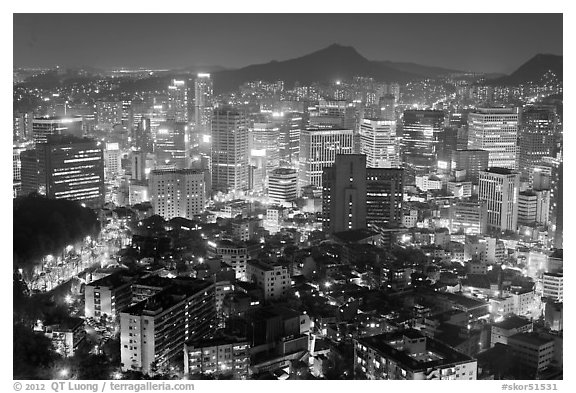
(409, 355)
(218, 356)
(501, 331)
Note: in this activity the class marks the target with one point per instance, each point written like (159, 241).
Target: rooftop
(512, 322)
(532, 338)
(354, 235)
(437, 353)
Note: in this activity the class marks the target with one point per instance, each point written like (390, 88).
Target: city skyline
(192, 40)
(327, 216)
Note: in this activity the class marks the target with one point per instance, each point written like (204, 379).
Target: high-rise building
(535, 138)
(65, 167)
(230, 152)
(534, 207)
(142, 135)
(354, 196)
(171, 145)
(177, 101)
(177, 192)
(283, 185)
(203, 91)
(495, 130)
(420, 136)
(289, 143)
(138, 165)
(318, 149)
(112, 160)
(499, 187)
(472, 161)
(43, 127)
(378, 142)
(265, 143)
(153, 331)
(553, 286)
(344, 193)
(384, 196)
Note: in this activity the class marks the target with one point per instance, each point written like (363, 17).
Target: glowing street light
(64, 372)
(68, 299)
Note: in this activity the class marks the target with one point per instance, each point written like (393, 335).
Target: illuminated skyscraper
(289, 142)
(65, 167)
(535, 139)
(495, 130)
(318, 149)
(230, 152)
(499, 187)
(282, 185)
(378, 142)
(44, 126)
(178, 101)
(265, 142)
(203, 92)
(171, 145)
(421, 129)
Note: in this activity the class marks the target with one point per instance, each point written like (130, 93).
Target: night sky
(477, 42)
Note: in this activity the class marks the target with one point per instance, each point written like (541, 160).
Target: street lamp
(64, 372)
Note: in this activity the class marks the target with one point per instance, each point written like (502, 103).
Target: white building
(378, 142)
(553, 286)
(499, 187)
(318, 149)
(177, 192)
(112, 160)
(283, 186)
(495, 130)
(273, 279)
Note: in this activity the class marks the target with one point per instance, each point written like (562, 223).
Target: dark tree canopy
(45, 226)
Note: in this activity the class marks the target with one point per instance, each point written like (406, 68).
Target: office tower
(289, 143)
(17, 149)
(265, 143)
(384, 196)
(108, 113)
(153, 331)
(203, 92)
(177, 101)
(354, 196)
(472, 161)
(335, 114)
(22, 127)
(378, 143)
(171, 145)
(420, 136)
(534, 207)
(283, 185)
(138, 165)
(535, 138)
(65, 167)
(499, 187)
(447, 143)
(469, 217)
(112, 161)
(42, 127)
(495, 130)
(230, 153)
(410, 355)
(177, 192)
(387, 106)
(318, 149)
(272, 279)
(344, 194)
(143, 140)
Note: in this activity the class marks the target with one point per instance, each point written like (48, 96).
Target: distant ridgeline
(45, 226)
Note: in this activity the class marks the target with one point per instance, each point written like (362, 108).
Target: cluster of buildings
(428, 241)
